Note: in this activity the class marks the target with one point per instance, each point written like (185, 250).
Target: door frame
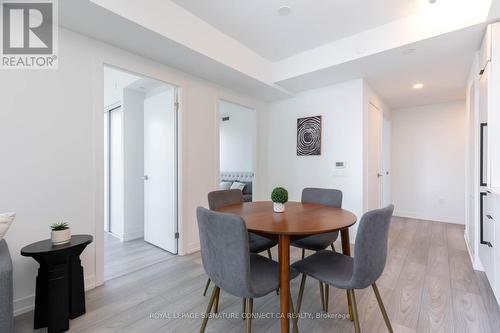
(255, 140)
(126, 64)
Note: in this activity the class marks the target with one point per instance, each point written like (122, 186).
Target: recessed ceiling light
(284, 10)
(418, 86)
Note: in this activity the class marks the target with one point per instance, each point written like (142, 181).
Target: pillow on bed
(5, 222)
(225, 185)
(238, 186)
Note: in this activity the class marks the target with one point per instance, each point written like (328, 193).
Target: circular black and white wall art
(309, 136)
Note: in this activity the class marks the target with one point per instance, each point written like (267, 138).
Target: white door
(386, 168)
(471, 173)
(160, 170)
(374, 171)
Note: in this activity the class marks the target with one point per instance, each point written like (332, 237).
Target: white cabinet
(489, 106)
(488, 128)
(487, 237)
(483, 103)
(494, 109)
(493, 217)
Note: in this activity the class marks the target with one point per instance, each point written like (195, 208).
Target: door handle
(379, 175)
(481, 219)
(489, 217)
(482, 181)
(145, 177)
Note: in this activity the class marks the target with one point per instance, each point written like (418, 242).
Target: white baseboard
(24, 304)
(476, 265)
(437, 218)
(27, 303)
(191, 248)
(133, 235)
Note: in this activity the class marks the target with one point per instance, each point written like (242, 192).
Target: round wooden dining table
(299, 220)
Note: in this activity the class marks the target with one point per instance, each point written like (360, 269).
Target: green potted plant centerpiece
(60, 233)
(279, 196)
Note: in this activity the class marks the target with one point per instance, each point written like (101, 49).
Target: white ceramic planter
(60, 236)
(278, 207)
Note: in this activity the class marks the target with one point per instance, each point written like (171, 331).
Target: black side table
(60, 293)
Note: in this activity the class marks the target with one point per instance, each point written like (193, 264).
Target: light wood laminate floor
(122, 258)
(428, 286)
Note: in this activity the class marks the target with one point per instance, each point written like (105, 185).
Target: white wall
(428, 162)
(133, 158)
(341, 107)
(54, 160)
(237, 137)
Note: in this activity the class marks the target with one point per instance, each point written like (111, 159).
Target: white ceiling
(256, 23)
(90, 19)
(441, 63)
(166, 32)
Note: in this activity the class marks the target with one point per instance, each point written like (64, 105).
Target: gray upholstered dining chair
(328, 197)
(227, 260)
(344, 272)
(223, 198)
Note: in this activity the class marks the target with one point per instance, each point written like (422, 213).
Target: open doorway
(140, 117)
(237, 140)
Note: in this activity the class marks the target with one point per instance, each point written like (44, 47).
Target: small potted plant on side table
(60, 233)
(279, 196)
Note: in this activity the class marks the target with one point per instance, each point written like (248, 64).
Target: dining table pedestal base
(299, 220)
(284, 263)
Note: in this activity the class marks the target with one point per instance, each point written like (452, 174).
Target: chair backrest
(370, 250)
(322, 196)
(223, 198)
(225, 251)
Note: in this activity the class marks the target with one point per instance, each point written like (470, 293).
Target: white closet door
(375, 173)
(160, 194)
(116, 172)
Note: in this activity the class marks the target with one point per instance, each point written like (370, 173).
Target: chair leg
(303, 253)
(216, 304)
(295, 317)
(322, 294)
(207, 312)
(357, 329)
(301, 292)
(249, 310)
(333, 247)
(206, 287)
(349, 306)
(327, 296)
(269, 254)
(244, 308)
(382, 307)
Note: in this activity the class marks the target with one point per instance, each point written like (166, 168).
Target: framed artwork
(309, 136)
